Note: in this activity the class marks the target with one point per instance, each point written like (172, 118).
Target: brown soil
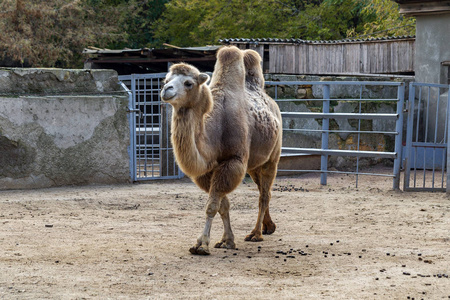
(131, 242)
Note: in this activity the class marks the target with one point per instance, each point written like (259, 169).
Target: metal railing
(325, 131)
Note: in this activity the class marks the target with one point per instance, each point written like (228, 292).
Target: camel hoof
(269, 229)
(253, 238)
(226, 245)
(199, 250)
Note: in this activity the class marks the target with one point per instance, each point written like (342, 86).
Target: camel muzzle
(168, 93)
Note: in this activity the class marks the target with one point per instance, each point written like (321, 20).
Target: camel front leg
(212, 207)
(228, 236)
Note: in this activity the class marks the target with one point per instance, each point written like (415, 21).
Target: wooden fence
(346, 57)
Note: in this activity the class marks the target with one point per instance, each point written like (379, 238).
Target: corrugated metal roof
(300, 41)
(145, 50)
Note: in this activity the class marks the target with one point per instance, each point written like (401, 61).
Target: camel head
(184, 86)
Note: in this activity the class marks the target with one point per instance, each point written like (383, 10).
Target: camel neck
(189, 142)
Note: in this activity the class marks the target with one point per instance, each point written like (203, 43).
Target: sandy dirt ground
(132, 241)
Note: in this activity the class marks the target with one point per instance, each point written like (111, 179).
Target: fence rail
(326, 115)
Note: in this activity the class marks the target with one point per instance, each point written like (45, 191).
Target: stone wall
(62, 127)
(347, 141)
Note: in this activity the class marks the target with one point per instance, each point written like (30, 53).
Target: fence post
(399, 138)
(447, 187)
(325, 133)
(409, 135)
(132, 106)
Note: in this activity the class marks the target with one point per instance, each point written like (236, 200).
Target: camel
(221, 132)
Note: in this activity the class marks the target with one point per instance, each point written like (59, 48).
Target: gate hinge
(135, 111)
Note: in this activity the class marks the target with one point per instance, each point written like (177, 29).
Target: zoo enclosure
(151, 155)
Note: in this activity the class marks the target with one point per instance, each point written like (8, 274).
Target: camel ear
(202, 78)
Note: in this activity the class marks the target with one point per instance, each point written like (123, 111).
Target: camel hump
(254, 74)
(251, 58)
(229, 54)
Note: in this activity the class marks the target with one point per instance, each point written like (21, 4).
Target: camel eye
(188, 84)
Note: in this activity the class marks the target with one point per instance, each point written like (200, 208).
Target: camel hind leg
(263, 177)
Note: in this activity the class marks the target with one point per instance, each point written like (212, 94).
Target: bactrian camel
(221, 132)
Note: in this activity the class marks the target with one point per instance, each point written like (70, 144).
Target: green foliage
(195, 22)
(383, 19)
(54, 32)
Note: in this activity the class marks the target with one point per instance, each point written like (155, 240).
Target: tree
(195, 22)
(383, 19)
(135, 22)
(53, 33)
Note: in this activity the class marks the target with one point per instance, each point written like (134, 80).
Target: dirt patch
(132, 241)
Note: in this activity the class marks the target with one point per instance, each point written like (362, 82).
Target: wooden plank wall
(368, 57)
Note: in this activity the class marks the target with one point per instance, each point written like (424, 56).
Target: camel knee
(212, 209)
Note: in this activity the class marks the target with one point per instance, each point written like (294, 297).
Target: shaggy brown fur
(254, 75)
(221, 132)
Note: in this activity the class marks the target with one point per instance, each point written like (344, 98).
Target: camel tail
(228, 54)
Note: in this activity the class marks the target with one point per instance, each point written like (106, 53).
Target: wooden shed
(390, 55)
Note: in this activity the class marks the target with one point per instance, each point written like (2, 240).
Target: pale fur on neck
(191, 148)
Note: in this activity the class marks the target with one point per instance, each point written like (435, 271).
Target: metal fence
(151, 153)
(328, 114)
(427, 137)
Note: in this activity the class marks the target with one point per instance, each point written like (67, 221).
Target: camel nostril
(168, 92)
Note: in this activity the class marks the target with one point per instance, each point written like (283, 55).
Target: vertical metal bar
(447, 189)
(444, 151)
(325, 128)
(359, 135)
(167, 138)
(409, 135)
(151, 124)
(139, 126)
(132, 128)
(399, 137)
(445, 140)
(426, 138)
(435, 136)
(417, 135)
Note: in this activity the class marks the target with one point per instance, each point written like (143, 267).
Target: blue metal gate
(427, 137)
(397, 89)
(151, 153)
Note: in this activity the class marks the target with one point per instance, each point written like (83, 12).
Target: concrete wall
(432, 48)
(62, 127)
